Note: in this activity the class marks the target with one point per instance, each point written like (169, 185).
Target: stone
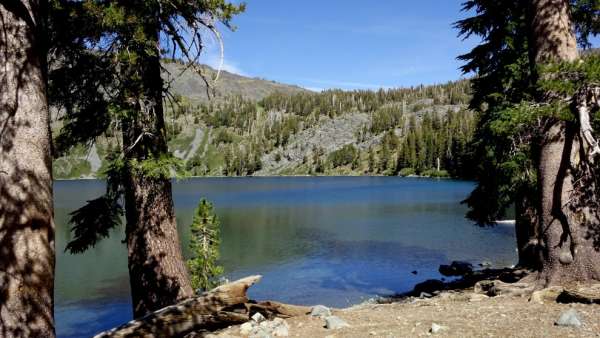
(426, 295)
(246, 328)
(485, 264)
(320, 311)
(258, 317)
(279, 328)
(429, 286)
(456, 268)
(436, 328)
(334, 323)
(259, 332)
(569, 318)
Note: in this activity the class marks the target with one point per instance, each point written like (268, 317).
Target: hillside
(258, 127)
(191, 85)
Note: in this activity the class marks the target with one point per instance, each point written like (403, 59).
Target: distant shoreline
(272, 176)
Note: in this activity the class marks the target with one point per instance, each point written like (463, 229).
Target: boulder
(257, 317)
(320, 311)
(334, 323)
(429, 286)
(276, 327)
(456, 268)
(436, 328)
(246, 328)
(569, 318)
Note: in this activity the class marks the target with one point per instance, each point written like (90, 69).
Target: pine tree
(204, 244)
(525, 63)
(122, 44)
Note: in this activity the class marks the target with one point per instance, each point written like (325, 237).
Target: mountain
(257, 127)
(188, 83)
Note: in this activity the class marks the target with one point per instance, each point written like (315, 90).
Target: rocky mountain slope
(191, 85)
(256, 127)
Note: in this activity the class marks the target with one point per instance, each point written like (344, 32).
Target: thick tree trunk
(570, 250)
(567, 227)
(552, 33)
(26, 220)
(157, 271)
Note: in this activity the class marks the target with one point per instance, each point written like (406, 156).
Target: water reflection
(315, 240)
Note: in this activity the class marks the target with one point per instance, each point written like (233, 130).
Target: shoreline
(460, 308)
(280, 176)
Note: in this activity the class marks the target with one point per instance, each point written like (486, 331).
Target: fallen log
(223, 306)
(582, 295)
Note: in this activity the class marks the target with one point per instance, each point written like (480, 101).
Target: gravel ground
(460, 313)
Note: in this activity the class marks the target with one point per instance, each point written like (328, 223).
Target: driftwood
(223, 306)
(583, 295)
(493, 288)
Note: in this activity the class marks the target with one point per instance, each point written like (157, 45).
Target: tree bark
(26, 216)
(526, 233)
(566, 185)
(157, 271)
(552, 32)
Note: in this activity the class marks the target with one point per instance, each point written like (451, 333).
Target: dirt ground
(460, 313)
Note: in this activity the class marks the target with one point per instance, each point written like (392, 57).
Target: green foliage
(69, 167)
(506, 93)
(435, 173)
(204, 244)
(93, 222)
(386, 117)
(344, 156)
(407, 172)
(161, 167)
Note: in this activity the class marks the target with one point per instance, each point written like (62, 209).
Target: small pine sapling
(204, 244)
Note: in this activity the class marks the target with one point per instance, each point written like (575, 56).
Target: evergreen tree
(204, 244)
(125, 48)
(517, 98)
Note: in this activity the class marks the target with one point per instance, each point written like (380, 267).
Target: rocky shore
(485, 303)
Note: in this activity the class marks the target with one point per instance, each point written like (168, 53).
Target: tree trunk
(157, 271)
(567, 225)
(568, 229)
(526, 233)
(26, 219)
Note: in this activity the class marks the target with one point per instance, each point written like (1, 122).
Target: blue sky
(346, 44)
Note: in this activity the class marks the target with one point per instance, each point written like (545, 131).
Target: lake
(316, 240)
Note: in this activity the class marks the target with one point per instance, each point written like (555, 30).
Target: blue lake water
(316, 240)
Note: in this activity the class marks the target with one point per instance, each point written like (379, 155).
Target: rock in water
(429, 286)
(436, 328)
(320, 311)
(456, 268)
(569, 318)
(334, 323)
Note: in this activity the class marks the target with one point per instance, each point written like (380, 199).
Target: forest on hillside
(424, 130)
